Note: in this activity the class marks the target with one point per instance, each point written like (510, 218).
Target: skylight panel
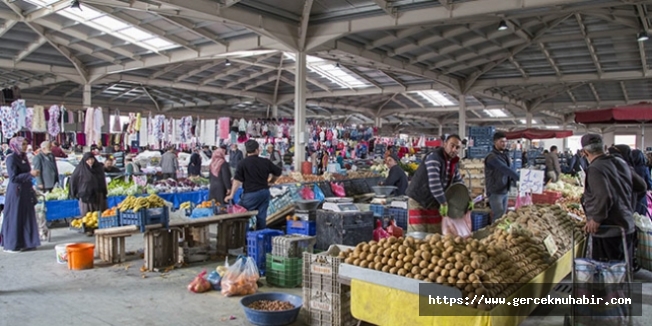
(523, 121)
(496, 113)
(435, 98)
(109, 25)
(330, 71)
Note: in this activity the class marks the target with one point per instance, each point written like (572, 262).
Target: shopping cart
(600, 280)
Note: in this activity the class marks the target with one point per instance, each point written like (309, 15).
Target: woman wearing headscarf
(220, 177)
(640, 167)
(19, 228)
(639, 185)
(88, 185)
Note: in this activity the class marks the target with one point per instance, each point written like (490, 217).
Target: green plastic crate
(284, 272)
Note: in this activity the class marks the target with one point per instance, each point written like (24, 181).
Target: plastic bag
(525, 200)
(234, 209)
(199, 284)
(457, 227)
(319, 195)
(338, 189)
(214, 279)
(307, 193)
(394, 230)
(379, 232)
(241, 278)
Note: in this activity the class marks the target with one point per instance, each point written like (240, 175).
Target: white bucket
(62, 254)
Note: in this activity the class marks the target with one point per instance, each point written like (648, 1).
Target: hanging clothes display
(9, 119)
(38, 121)
(89, 124)
(158, 124)
(29, 117)
(53, 123)
(117, 125)
(208, 132)
(242, 125)
(185, 128)
(224, 124)
(20, 108)
(138, 122)
(98, 123)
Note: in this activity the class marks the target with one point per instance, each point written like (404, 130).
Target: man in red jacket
(57, 151)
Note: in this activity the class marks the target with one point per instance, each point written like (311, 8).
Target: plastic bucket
(81, 256)
(62, 253)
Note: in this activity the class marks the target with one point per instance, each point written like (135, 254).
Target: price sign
(550, 244)
(531, 181)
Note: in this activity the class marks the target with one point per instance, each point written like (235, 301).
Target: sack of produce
(241, 278)
(199, 284)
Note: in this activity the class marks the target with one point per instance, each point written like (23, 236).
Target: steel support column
(275, 111)
(528, 120)
(441, 131)
(462, 120)
(563, 127)
(300, 110)
(86, 98)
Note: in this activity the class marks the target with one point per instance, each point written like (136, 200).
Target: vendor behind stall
(396, 176)
(427, 201)
(109, 166)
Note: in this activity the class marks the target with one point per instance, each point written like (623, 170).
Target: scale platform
(342, 205)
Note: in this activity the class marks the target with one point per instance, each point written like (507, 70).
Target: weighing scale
(399, 202)
(342, 205)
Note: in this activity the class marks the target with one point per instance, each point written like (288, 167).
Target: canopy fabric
(533, 133)
(630, 114)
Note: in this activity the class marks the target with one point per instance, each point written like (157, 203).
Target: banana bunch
(135, 204)
(186, 205)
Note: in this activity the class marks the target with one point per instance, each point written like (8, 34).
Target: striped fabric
(437, 186)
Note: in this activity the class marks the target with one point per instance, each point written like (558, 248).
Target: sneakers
(11, 251)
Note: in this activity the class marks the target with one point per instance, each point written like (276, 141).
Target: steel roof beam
(199, 31)
(260, 83)
(279, 72)
(30, 48)
(595, 92)
(199, 70)
(551, 61)
(9, 24)
(235, 70)
(73, 91)
(624, 89)
(589, 43)
(79, 47)
(164, 71)
(303, 26)
(386, 7)
(572, 97)
(149, 28)
(206, 52)
(46, 11)
(188, 86)
(413, 100)
(568, 78)
(248, 78)
(518, 67)
(86, 38)
(323, 33)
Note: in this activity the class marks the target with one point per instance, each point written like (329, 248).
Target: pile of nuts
(269, 305)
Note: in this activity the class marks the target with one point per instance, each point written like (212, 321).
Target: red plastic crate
(547, 197)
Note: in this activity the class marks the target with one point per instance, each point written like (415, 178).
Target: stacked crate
(284, 264)
(482, 140)
(259, 244)
(473, 173)
(326, 301)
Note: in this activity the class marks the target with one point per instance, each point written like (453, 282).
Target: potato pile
(495, 266)
(543, 220)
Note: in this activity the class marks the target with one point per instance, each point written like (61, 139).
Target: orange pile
(207, 204)
(110, 212)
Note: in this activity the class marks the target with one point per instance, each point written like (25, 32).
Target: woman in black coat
(194, 166)
(220, 177)
(88, 184)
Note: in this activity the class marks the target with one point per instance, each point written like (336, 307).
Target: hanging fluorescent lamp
(228, 63)
(642, 36)
(502, 26)
(76, 5)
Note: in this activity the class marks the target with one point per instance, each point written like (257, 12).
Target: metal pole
(300, 110)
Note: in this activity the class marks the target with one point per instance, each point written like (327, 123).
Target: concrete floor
(35, 290)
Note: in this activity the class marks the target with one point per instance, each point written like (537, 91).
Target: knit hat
(590, 139)
(394, 157)
(251, 146)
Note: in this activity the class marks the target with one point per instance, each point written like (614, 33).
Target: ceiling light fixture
(228, 63)
(502, 26)
(76, 5)
(337, 65)
(643, 36)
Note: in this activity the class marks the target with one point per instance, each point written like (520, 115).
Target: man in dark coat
(194, 166)
(396, 176)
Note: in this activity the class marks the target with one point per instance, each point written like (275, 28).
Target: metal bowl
(383, 190)
(307, 205)
(458, 199)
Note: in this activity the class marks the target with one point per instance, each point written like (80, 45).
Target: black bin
(347, 229)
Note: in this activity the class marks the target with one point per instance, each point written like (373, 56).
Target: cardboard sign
(531, 181)
(550, 244)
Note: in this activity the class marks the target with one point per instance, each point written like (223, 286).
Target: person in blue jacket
(640, 167)
(499, 176)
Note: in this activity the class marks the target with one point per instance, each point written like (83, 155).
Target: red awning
(630, 114)
(538, 134)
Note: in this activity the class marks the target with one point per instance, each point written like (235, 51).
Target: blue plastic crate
(144, 217)
(302, 227)
(479, 151)
(479, 219)
(108, 222)
(379, 210)
(482, 131)
(259, 244)
(399, 215)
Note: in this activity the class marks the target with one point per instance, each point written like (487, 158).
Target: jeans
(498, 203)
(257, 200)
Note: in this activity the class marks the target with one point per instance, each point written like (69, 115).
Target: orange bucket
(81, 256)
